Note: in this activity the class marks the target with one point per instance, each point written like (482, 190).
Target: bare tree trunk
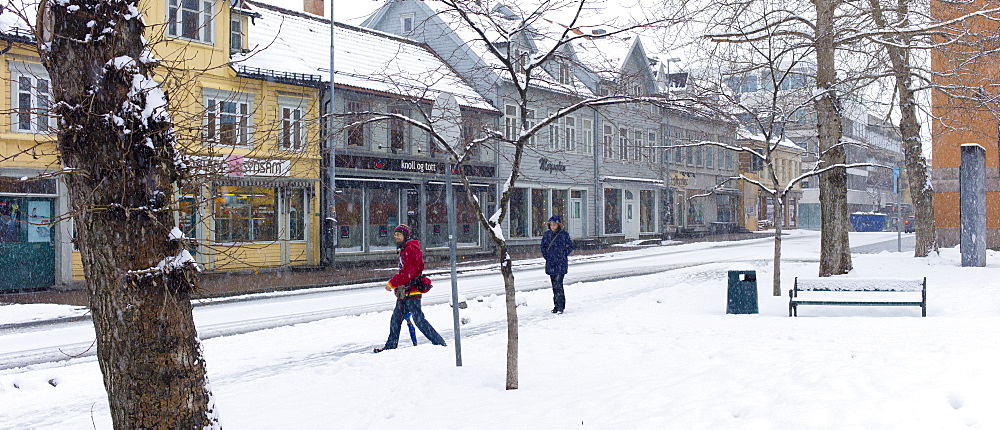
(835, 249)
(779, 221)
(508, 282)
(117, 142)
(909, 128)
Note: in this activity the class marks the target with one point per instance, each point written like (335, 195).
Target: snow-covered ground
(652, 351)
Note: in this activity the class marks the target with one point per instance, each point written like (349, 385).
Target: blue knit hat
(555, 218)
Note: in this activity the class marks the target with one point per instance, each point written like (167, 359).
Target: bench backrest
(854, 284)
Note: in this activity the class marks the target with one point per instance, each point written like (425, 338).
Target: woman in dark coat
(556, 247)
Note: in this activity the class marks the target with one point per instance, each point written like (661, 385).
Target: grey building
(601, 169)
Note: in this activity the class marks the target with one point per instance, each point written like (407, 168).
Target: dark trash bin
(742, 297)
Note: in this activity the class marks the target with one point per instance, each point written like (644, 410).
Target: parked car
(909, 226)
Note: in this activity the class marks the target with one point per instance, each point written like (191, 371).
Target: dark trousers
(411, 306)
(558, 294)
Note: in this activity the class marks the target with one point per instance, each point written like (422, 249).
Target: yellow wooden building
(250, 136)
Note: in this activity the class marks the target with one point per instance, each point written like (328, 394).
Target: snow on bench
(831, 291)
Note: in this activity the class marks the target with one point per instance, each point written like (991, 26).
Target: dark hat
(555, 218)
(403, 228)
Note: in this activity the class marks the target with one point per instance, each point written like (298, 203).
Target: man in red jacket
(408, 294)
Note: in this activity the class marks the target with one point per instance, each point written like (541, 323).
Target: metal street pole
(445, 118)
(899, 213)
(452, 233)
(330, 222)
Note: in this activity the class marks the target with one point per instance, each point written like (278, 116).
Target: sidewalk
(238, 283)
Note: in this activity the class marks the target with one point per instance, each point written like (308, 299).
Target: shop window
(349, 217)
(539, 211)
(227, 118)
(296, 214)
(25, 220)
(647, 211)
(519, 213)
(188, 215)
(437, 216)
(612, 211)
(383, 217)
(190, 19)
(246, 214)
(559, 204)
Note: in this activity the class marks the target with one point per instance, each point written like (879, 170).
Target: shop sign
(238, 166)
(410, 166)
(547, 166)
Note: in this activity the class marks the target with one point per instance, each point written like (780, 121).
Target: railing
(281, 77)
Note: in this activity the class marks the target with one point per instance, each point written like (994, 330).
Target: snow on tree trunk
(921, 193)
(779, 221)
(835, 250)
(117, 138)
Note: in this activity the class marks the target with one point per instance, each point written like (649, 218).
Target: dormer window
(406, 23)
(190, 19)
(564, 72)
(237, 34)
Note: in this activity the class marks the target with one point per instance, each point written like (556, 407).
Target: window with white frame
(237, 33)
(609, 135)
(640, 147)
(293, 130)
(653, 150)
(554, 143)
(623, 143)
(190, 19)
(588, 137)
(564, 75)
(228, 118)
(530, 120)
(510, 121)
(31, 98)
(570, 130)
(406, 23)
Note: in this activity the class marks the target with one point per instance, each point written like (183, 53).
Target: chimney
(314, 7)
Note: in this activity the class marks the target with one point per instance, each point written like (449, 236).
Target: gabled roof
(295, 42)
(501, 27)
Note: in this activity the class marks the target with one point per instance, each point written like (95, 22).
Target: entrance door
(631, 228)
(27, 254)
(576, 213)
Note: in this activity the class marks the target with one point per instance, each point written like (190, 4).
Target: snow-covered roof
(294, 42)
(502, 25)
(744, 134)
